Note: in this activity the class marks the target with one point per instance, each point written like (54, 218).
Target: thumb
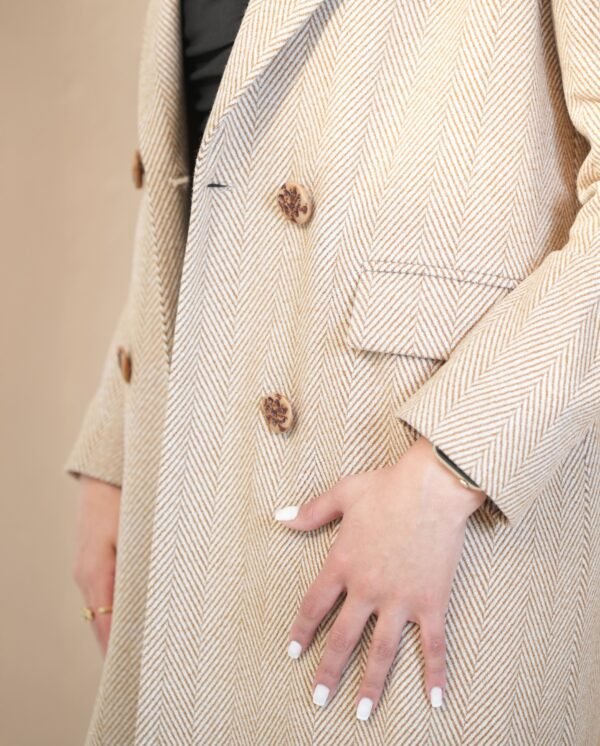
(313, 513)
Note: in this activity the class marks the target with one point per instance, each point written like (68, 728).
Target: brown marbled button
(137, 170)
(295, 202)
(124, 361)
(277, 411)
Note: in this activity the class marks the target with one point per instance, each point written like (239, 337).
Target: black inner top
(209, 28)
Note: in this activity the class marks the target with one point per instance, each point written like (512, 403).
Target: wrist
(462, 476)
(460, 494)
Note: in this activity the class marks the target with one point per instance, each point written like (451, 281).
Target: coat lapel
(266, 27)
(162, 128)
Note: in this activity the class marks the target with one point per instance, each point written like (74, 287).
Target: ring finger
(99, 596)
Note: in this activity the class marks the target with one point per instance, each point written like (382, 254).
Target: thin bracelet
(463, 478)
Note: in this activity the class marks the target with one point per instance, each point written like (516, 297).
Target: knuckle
(81, 571)
(435, 670)
(434, 645)
(310, 607)
(309, 511)
(396, 597)
(330, 668)
(339, 641)
(437, 644)
(366, 584)
(371, 688)
(299, 635)
(383, 649)
(87, 574)
(328, 674)
(341, 561)
(428, 602)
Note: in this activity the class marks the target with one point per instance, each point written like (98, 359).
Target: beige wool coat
(447, 282)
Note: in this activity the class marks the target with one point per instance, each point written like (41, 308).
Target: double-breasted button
(278, 412)
(137, 170)
(124, 361)
(295, 202)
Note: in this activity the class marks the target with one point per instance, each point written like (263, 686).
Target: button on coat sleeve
(97, 450)
(522, 387)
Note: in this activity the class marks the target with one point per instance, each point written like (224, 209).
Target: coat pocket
(417, 309)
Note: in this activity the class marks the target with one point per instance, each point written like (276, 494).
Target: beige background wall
(68, 74)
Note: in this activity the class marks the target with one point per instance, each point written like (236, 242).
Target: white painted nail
(436, 696)
(294, 649)
(364, 708)
(287, 514)
(320, 694)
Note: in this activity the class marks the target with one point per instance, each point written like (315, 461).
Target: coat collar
(266, 27)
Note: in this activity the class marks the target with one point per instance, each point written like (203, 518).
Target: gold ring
(87, 613)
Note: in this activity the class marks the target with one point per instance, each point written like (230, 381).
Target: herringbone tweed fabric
(447, 283)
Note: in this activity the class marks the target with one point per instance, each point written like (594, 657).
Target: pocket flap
(419, 310)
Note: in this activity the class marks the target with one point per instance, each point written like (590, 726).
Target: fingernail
(436, 696)
(287, 514)
(294, 649)
(320, 694)
(364, 708)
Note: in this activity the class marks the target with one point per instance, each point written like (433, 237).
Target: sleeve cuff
(498, 504)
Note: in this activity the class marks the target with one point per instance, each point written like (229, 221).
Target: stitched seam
(471, 281)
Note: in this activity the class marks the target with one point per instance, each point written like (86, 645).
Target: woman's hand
(395, 556)
(96, 547)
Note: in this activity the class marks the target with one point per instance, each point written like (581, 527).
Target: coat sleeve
(98, 448)
(522, 387)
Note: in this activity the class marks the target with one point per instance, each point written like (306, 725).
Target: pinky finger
(433, 643)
